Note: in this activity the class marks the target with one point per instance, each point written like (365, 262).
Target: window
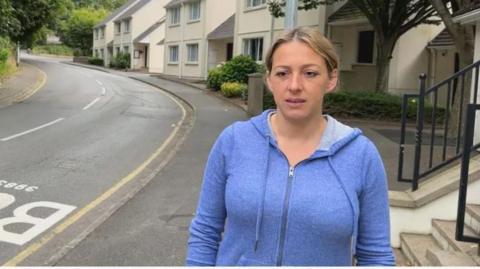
(255, 3)
(192, 53)
(126, 49)
(102, 33)
(254, 48)
(365, 46)
(101, 53)
(118, 28)
(175, 16)
(117, 50)
(96, 53)
(173, 50)
(126, 26)
(194, 11)
(95, 34)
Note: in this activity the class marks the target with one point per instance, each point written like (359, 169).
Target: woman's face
(298, 80)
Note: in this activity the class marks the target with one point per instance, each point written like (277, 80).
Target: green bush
(215, 78)
(238, 68)
(95, 61)
(121, 61)
(54, 50)
(233, 89)
(367, 105)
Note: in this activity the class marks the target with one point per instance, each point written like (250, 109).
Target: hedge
(367, 105)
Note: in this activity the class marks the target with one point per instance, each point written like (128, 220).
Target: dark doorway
(229, 51)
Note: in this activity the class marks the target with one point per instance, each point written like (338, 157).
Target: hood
(335, 136)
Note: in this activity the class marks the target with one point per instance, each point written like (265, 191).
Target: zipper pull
(290, 172)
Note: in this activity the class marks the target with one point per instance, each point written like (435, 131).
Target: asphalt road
(68, 144)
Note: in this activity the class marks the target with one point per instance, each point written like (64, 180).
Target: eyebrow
(303, 66)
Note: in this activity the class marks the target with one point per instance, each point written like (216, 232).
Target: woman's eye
(280, 74)
(311, 74)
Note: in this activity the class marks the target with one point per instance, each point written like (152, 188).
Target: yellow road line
(64, 225)
(42, 83)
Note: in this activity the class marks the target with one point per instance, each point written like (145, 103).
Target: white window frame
(126, 28)
(194, 11)
(126, 49)
(102, 51)
(247, 43)
(192, 53)
(254, 3)
(171, 59)
(175, 15)
(102, 33)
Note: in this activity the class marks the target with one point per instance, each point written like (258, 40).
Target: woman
(292, 186)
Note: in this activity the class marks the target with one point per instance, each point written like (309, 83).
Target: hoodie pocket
(244, 261)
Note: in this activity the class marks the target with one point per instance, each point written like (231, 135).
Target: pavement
(151, 228)
(21, 85)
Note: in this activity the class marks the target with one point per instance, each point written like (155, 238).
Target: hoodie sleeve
(208, 224)
(373, 242)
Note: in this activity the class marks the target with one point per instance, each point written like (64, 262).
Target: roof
(147, 32)
(161, 42)
(474, 4)
(224, 30)
(443, 39)
(347, 12)
(132, 10)
(115, 13)
(175, 3)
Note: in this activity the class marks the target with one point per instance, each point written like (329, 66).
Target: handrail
(438, 99)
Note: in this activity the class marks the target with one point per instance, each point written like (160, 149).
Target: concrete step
(444, 233)
(414, 247)
(449, 258)
(472, 217)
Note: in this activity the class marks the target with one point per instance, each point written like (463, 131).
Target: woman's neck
(308, 129)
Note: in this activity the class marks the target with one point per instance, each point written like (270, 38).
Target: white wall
(419, 220)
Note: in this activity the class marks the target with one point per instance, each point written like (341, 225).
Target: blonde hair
(310, 37)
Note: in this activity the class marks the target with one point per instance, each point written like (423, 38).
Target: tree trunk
(384, 55)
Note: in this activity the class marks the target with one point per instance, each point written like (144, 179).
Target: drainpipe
(180, 47)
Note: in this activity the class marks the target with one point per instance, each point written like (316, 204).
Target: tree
(32, 15)
(106, 4)
(8, 23)
(463, 38)
(390, 19)
(77, 31)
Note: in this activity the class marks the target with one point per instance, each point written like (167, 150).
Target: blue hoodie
(326, 210)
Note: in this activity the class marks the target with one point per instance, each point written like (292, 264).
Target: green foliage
(95, 61)
(215, 78)
(238, 68)
(233, 89)
(77, 31)
(367, 105)
(121, 61)
(53, 49)
(33, 15)
(105, 4)
(8, 22)
(6, 65)
(235, 70)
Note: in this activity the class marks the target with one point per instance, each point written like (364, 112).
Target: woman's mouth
(295, 100)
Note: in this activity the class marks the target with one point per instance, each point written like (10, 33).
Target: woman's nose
(295, 82)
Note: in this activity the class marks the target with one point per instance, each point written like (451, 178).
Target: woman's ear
(266, 80)
(333, 80)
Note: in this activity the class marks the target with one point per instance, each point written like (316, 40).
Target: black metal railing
(434, 118)
(464, 172)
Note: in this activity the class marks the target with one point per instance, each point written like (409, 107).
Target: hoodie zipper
(283, 227)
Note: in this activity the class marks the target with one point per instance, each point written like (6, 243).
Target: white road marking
(99, 82)
(91, 103)
(31, 130)
(104, 91)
